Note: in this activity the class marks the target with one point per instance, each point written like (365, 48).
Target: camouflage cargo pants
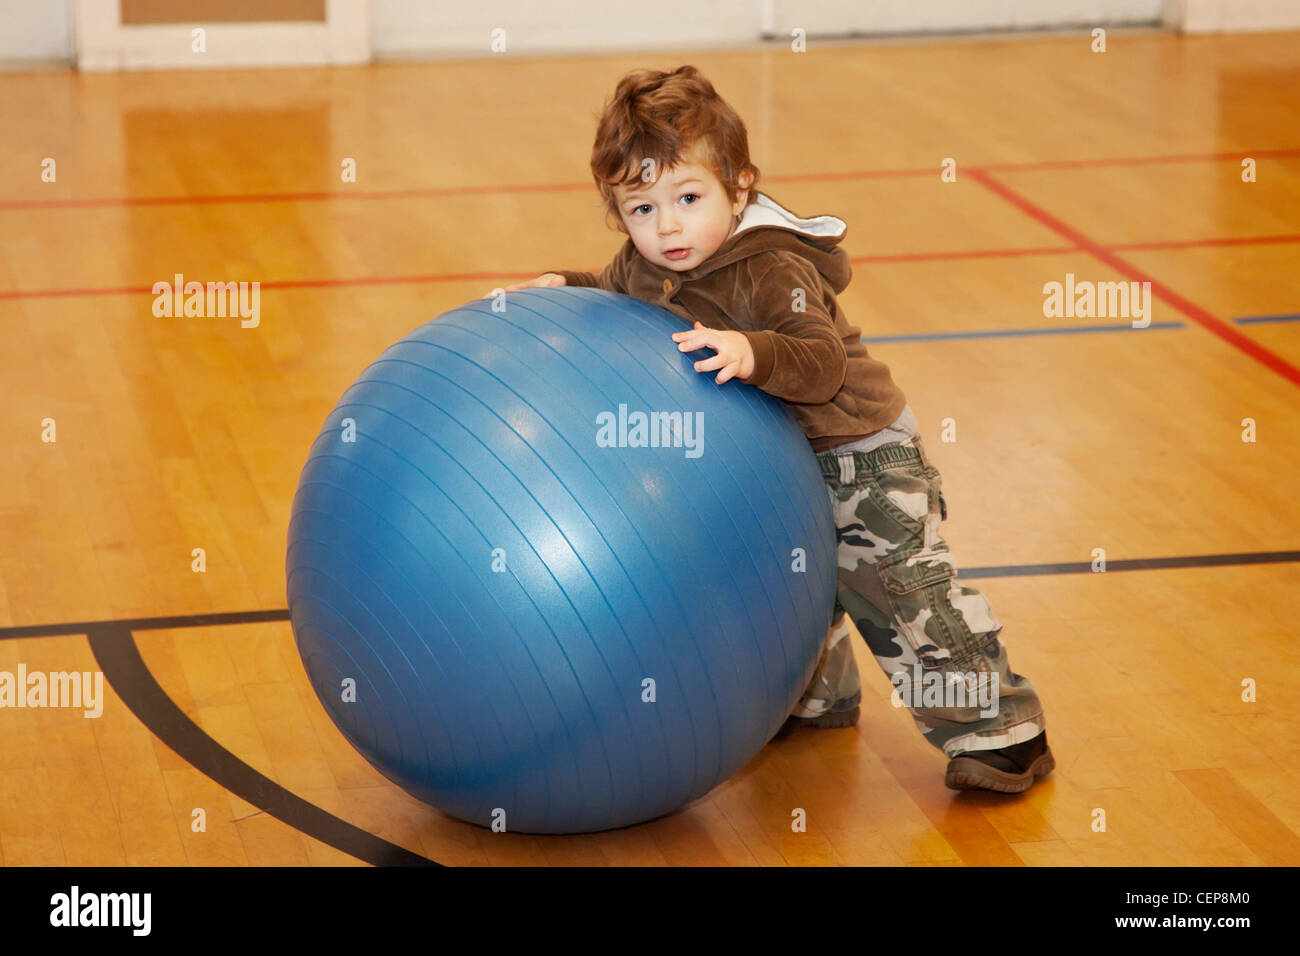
(936, 640)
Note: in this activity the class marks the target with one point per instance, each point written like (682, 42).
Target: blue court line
(1061, 330)
(1011, 333)
(1250, 319)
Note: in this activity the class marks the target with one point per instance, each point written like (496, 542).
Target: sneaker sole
(966, 773)
(844, 718)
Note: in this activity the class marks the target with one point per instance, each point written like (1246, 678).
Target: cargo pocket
(909, 504)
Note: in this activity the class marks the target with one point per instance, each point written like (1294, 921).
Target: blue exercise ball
(548, 578)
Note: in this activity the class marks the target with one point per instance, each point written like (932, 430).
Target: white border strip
(103, 43)
(1221, 16)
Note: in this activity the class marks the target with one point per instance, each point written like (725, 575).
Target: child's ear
(744, 181)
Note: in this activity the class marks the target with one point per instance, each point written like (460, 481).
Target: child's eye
(638, 209)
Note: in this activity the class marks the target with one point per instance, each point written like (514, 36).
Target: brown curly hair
(666, 117)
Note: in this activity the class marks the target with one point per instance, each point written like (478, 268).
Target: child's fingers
(716, 361)
(698, 340)
(530, 284)
(728, 373)
(698, 327)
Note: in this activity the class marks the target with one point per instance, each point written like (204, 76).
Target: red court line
(73, 293)
(1194, 312)
(391, 280)
(277, 284)
(323, 196)
(1139, 160)
(904, 172)
(965, 254)
(1198, 243)
(433, 192)
(496, 277)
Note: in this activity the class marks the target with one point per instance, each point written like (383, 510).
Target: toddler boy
(759, 286)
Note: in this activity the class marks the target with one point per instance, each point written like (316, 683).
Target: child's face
(685, 208)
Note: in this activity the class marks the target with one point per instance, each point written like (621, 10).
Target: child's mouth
(677, 253)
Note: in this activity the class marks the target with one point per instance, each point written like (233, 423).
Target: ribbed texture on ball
(501, 588)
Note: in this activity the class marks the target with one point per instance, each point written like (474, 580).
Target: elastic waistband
(848, 465)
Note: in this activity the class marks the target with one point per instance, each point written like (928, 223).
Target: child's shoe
(1007, 770)
(846, 716)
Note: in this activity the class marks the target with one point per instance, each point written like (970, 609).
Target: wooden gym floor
(1073, 434)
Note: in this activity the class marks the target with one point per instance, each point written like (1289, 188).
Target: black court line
(147, 623)
(115, 649)
(1136, 564)
(994, 571)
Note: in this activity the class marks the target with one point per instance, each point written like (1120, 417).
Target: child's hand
(546, 279)
(735, 356)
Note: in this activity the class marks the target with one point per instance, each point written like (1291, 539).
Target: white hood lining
(766, 212)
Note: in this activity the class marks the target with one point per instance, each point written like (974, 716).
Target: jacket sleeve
(576, 278)
(798, 355)
(612, 278)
